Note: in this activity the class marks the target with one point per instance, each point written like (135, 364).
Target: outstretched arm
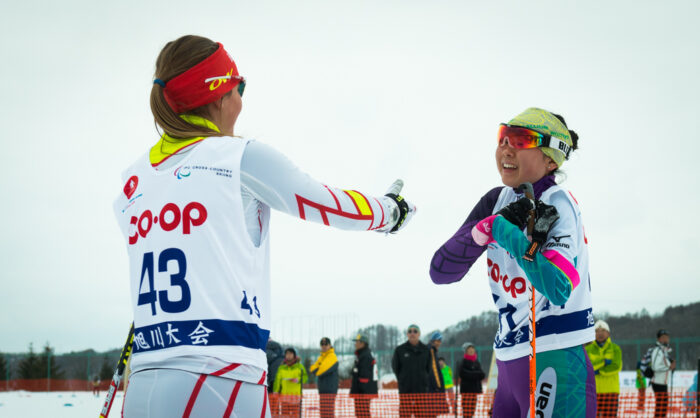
(274, 180)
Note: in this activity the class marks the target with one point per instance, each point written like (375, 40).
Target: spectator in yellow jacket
(326, 370)
(606, 358)
(290, 376)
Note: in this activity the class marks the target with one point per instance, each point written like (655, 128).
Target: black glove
(517, 212)
(406, 209)
(545, 216)
(403, 210)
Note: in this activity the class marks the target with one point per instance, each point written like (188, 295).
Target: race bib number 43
(171, 257)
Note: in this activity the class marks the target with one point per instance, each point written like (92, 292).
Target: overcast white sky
(357, 93)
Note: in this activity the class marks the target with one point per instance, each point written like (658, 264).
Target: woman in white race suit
(195, 211)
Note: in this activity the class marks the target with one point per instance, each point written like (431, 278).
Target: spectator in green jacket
(641, 384)
(449, 383)
(446, 373)
(606, 358)
(290, 376)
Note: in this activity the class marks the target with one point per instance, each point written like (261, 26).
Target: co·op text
(169, 218)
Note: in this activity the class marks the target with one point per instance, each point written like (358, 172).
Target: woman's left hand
(545, 217)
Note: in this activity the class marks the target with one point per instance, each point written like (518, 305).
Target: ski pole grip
(534, 245)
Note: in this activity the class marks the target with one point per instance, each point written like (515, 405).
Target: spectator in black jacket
(470, 378)
(436, 382)
(364, 381)
(275, 357)
(411, 365)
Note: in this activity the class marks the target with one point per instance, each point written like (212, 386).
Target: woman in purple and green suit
(531, 148)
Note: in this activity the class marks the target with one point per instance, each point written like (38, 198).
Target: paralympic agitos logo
(180, 173)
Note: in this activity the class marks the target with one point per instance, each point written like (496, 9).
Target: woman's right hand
(405, 208)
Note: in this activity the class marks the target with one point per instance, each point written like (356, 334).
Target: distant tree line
(681, 322)
(4, 374)
(46, 364)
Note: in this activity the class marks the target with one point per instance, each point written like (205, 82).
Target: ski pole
(530, 256)
(118, 373)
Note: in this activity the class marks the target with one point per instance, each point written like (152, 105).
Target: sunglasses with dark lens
(241, 87)
(413, 331)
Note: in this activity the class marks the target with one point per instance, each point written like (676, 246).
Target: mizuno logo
(557, 239)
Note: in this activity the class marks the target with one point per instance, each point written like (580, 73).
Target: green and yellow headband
(544, 122)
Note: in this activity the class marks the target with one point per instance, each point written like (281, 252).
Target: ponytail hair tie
(159, 82)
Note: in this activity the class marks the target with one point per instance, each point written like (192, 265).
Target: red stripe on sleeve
(381, 223)
(337, 202)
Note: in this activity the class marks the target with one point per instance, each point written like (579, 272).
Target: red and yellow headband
(203, 83)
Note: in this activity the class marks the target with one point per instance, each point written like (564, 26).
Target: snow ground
(22, 404)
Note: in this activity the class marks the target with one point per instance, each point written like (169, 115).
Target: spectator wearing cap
(290, 376)
(663, 365)
(606, 358)
(436, 382)
(470, 377)
(364, 378)
(411, 365)
(326, 370)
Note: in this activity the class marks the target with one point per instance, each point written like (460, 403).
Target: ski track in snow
(22, 404)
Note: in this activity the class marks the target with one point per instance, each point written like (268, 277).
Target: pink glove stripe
(482, 231)
(560, 262)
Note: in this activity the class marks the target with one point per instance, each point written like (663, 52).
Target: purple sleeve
(454, 259)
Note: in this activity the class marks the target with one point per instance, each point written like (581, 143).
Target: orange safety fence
(388, 403)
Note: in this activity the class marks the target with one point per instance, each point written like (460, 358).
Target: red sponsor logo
(514, 286)
(169, 218)
(130, 186)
